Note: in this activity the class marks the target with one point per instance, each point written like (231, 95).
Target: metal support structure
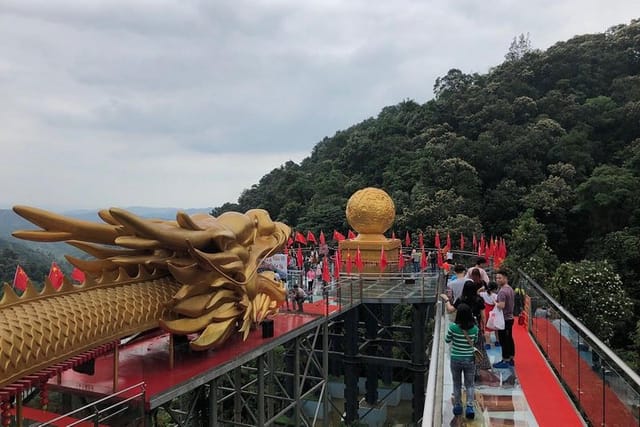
(419, 359)
(351, 365)
(371, 333)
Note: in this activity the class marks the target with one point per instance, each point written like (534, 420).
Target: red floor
(546, 397)
(148, 361)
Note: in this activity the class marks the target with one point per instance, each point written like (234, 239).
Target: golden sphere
(370, 211)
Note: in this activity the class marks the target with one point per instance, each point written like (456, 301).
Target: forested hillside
(544, 149)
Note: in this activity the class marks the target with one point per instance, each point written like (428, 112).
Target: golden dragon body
(197, 274)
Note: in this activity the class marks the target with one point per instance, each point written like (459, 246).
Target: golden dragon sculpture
(195, 275)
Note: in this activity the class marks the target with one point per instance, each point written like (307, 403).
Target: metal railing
(123, 399)
(432, 414)
(604, 388)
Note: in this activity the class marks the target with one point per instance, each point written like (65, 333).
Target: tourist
(311, 276)
(480, 264)
(298, 296)
(415, 259)
(504, 301)
(461, 334)
(454, 287)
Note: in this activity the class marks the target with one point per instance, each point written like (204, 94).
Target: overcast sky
(186, 103)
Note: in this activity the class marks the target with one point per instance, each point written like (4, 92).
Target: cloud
(195, 88)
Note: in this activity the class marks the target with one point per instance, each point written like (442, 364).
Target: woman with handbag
(461, 334)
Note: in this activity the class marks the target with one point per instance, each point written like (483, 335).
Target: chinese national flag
(311, 237)
(461, 242)
(348, 263)
(299, 257)
(440, 263)
(359, 263)
(55, 275)
(323, 241)
(336, 266)
(400, 259)
(407, 240)
(289, 241)
(300, 238)
(351, 235)
(423, 260)
(437, 240)
(421, 239)
(20, 279)
(338, 236)
(77, 275)
(325, 271)
(383, 259)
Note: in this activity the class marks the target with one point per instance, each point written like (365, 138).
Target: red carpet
(583, 381)
(547, 400)
(319, 307)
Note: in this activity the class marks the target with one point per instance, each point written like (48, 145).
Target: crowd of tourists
(483, 313)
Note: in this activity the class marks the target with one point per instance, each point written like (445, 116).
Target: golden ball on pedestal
(370, 211)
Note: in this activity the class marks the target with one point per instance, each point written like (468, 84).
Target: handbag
(496, 319)
(477, 354)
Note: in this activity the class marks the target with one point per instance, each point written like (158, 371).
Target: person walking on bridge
(504, 301)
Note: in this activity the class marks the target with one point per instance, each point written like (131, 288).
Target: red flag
(325, 271)
(337, 236)
(299, 257)
(359, 263)
(55, 275)
(348, 265)
(289, 241)
(461, 242)
(393, 234)
(336, 266)
(481, 246)
(351, 235)
(400, 259)
(421, 239)
(300, 238)
(20, 279)
(423, 260)
(77, 275)
(475, 242)
(322, 239)
(383, 259)
(448, 240)
(407, 240)
(440, 263)
(311, 237)
(437, 240)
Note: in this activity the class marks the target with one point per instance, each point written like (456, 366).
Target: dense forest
(544, 149)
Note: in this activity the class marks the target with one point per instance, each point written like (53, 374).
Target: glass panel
(571, 361)
(605, 389)
(620, 400)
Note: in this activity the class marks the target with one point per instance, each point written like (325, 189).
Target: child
(489, 297)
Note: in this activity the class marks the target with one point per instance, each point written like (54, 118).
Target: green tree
(519, 47)
(592, 291)
(529, 250)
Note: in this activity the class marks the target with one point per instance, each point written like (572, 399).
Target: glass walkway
(563, 375)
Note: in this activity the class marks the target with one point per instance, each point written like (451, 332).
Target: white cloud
(122, 102)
